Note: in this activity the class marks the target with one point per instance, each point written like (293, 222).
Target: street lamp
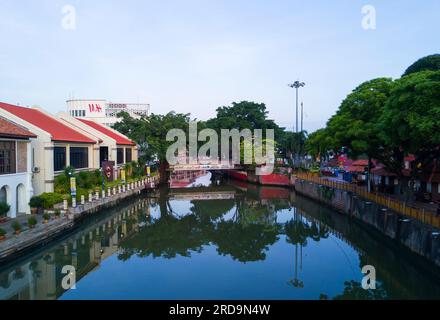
(297, 84)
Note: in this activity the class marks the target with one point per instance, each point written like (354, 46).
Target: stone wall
(418, 237)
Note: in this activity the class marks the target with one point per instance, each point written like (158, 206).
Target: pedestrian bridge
(203, 167)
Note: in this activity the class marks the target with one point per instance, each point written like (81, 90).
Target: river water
(220, 240)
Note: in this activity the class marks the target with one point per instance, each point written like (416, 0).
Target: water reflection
(259, 243)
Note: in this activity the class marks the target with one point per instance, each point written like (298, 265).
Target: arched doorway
(21, 200)
(5, 196)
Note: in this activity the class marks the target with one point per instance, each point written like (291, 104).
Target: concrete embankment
(18, 245)
(413, 234)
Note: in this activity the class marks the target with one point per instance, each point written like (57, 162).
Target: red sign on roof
(57, 130)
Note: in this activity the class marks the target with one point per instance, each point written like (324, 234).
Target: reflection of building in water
(181, 179)
(41, 278)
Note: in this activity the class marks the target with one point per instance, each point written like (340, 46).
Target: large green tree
(354, 126)
(150, 134)
(410, 123)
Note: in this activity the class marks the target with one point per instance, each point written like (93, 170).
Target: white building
(56, 146)
(104, 112)
(15, 167)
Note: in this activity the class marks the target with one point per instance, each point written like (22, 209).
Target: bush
(4, 208)
(16, 226)
(2, 232)
(46, 216)
(32, 222)
(57, 212)
(36, 202)
(49, 199)
(62, 184)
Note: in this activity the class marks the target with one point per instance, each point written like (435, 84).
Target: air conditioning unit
(35, 169)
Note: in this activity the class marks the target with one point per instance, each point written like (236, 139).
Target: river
(207, 239)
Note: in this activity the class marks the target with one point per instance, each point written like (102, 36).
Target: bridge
(204, 167)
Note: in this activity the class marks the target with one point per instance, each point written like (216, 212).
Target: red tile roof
(119, 138)
(9, 129)
(57, 130)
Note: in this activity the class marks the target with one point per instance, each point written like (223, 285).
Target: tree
(431, 63)
(410, 123)
(354, 126)
(150, 134)
(319, 143)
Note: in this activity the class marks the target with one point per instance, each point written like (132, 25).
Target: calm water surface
(220, 241)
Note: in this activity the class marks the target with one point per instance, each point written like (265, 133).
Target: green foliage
(46, 216)
(326, 192)
(32, 221)
(2, 232)
(318, 143)
(4, 208)
(36, 202)
(354, 126)
(49, 199)
(428, 63)
(410, 122)
(150, 132)
(16, 225)
(57, 212)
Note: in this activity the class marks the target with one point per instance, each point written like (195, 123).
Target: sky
(194, 56)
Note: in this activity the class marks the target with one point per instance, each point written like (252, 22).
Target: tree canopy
(431, 62)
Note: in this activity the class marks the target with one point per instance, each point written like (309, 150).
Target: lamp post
(297, 84)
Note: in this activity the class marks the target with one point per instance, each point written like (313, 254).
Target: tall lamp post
(297, 84)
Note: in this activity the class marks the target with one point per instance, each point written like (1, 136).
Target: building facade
(104, 112)
(112, 145)
(55, 147)
(15, 167)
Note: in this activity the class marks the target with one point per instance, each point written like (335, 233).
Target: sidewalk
(428, 207)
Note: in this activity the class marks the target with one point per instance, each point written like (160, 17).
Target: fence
(393, 204)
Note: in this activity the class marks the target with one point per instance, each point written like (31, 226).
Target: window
(7, 157)
(120, 155)
(59, 158)
(79, 157)
(127, 155)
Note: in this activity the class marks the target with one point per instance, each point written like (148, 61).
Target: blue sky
(193, 56)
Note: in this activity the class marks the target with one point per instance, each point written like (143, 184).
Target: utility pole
(302, 115)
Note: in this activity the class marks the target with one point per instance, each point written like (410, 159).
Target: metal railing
(422, 215)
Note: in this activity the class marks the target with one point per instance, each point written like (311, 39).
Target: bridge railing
(401, 207)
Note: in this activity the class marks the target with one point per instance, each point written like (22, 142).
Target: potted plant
(46, 217)
(35, 203)
(16, 226)
(4, 209)
(2, 234)
(57, 213)
(32, 222)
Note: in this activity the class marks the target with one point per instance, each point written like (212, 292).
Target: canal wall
(18, 245)
(413, 234)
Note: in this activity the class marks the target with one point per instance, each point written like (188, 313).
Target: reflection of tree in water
(353, 291)
(245, 237)
(166, 237)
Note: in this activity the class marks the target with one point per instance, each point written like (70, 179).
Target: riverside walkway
(418, 212)
(16, 244)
